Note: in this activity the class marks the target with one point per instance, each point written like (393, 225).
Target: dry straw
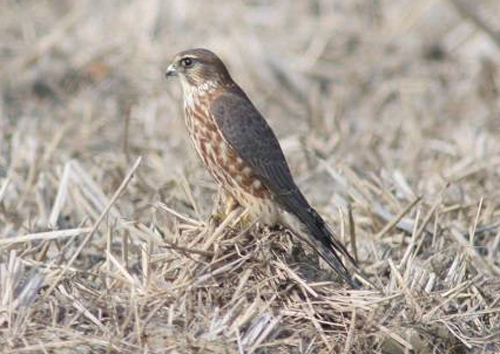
(389, 113)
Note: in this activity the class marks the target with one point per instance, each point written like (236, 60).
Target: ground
(389, 114)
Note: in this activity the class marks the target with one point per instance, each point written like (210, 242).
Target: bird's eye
(187, 62)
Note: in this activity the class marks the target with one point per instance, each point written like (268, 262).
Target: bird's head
(198, 67)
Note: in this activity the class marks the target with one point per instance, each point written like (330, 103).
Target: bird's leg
(246, 220)
(230, 205)
(243, 220)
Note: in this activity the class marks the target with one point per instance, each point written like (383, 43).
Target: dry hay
(389, 113)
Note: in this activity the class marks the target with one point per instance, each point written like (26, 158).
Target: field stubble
(388, 112)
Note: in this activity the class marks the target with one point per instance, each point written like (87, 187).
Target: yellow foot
(217, 218)
(229, 205)
(244, 220)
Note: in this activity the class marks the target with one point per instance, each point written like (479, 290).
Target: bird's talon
(231, 204)
(243, 221)
(217, 218)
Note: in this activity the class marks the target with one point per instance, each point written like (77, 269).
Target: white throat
(192, 94)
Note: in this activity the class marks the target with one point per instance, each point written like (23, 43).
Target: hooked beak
(171, 71)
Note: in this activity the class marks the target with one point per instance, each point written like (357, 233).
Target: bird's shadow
(305, 263)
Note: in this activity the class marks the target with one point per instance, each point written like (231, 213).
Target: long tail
(320, 235)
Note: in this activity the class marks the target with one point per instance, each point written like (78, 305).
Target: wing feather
(244, 128)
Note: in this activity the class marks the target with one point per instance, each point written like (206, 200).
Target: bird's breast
(220, 158)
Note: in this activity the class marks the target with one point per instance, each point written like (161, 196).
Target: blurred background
(375, 102)
(378, 85)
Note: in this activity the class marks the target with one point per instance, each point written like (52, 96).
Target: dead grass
(389, 113)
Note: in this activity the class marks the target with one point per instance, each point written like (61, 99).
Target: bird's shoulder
(233, 102)
(244, 128)
(243, 125)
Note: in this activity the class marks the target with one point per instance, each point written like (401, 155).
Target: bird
(242, 153)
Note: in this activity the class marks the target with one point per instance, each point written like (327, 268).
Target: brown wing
(248, 133)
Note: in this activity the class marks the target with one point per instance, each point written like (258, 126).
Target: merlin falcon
(243, 155)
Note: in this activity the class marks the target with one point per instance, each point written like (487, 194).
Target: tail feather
(328, 246)
(320, 235)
